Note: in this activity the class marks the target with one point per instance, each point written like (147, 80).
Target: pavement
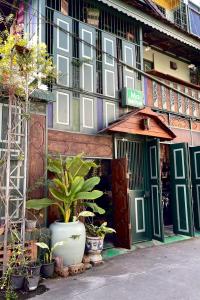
(166, 272)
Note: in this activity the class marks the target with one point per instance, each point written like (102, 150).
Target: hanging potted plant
(95, 239)
(48, 263)
(93, 16)
(68, 188)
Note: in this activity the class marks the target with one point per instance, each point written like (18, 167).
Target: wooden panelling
(37, 157)
(182, 136)
(142, 122)
(179, 122)
(68, 143)
(195, 138)
(37, 152)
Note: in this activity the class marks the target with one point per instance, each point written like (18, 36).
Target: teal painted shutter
(195, 175)
(128, 52)
(62, 107)
(109, 65)
(155, 190)
(181, 189)
(87, 56)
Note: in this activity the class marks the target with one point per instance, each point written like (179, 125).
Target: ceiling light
(147, 48)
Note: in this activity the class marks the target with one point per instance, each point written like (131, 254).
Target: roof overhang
(141, 122)
(158, 24)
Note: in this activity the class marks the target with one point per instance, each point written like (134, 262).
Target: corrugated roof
(154, 20)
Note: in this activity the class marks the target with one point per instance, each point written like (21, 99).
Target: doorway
(166, 197)
(134, 150)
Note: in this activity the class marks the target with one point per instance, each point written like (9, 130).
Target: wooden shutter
(128, 52)
(121, 202)
(87, 57)
(195, 176)
(155, 190)
(109, 65)
(62, 58)
(181, 189)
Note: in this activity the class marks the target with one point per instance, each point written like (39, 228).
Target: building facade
(127, 95)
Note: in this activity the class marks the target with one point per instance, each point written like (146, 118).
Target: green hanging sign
(132, 97)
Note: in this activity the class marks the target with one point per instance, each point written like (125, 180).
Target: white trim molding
(57, 109)
(85, 112)
(66, 35)
(136, 215)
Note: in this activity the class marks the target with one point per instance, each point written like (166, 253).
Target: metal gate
(134, 151)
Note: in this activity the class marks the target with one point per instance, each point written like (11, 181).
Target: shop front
(155, 182)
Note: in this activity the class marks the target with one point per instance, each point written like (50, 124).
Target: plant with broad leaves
(48, 256)
(70, 187)
(99, 231)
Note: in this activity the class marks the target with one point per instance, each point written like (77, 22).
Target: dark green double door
(185, 188)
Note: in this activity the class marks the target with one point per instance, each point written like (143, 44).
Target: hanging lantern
(168, 4)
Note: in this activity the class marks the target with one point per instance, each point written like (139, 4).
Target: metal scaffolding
(13, 170)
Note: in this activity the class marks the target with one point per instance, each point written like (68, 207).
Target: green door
(181, 189)
(135, 152)
(155, 190)
(195, 176)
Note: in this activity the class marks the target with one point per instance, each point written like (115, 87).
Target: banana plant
(48, 256)
(69, 187)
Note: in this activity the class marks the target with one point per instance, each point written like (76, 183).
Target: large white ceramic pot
(74, 236)
(94, 247)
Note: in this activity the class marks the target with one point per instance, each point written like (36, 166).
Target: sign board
(132, 97)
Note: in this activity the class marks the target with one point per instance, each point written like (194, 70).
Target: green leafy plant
(16, 264)
(99, 231)
(48, 256)
(70, 187)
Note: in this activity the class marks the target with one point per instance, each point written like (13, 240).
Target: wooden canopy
(142, 122)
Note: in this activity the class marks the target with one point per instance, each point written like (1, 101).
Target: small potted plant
(95, 239)
(14, 276)
(48, 265)
(33, 275)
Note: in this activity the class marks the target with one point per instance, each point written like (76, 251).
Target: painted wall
(162, 64)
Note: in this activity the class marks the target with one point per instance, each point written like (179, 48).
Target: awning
(151, 21)
(141, 122)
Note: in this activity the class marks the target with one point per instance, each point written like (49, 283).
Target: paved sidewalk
(166, 272)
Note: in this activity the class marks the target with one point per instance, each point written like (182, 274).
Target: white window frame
(57, 111)
(126, 81)
(106, 86)
(83, 103)
(67, 59)
(105, 49)
(67, 35)
(83, 44)
(106, 111)
(83, 76)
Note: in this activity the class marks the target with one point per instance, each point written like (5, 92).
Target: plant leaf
(39, 203)
(88, 195)
(77, 184)
(96, 208)
(90, 183)
(57, 195)
(86, 214)
(58, 244)
(42, 245)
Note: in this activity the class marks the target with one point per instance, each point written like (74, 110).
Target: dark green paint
(181, 189)
(155, 190)
(195, 176)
